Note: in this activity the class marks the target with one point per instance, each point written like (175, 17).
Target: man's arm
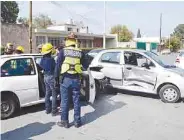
(59, 62)
(41, 63)
(83, 61)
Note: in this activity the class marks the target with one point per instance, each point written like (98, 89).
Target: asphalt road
(122, 116)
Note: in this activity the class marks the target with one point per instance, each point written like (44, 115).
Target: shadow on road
(103, 106)
(28, 131)
(141, 94)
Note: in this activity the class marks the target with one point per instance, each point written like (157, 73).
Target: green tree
(124, 34)
(42, 21)
(179, 31)
(9, 11)
(173, 43)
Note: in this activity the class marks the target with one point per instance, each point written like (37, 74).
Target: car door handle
(128, 68)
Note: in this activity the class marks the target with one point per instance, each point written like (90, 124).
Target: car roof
(99, 49)
(4, 58)
(121, 49)
(19, 55)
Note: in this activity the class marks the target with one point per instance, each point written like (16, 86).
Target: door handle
(128, 68)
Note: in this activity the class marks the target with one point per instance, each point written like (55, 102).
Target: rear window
(181, 54)
(18, 67)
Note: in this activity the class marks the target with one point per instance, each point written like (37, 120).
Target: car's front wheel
(8, 106)
(169, 94)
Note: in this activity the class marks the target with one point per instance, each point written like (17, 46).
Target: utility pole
(104, 40)
(169, 40)
(160, 32)
(30, 26)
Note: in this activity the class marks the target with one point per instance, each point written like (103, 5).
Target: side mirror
(145, 65)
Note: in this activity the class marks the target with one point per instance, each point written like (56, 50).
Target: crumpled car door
(92, 88)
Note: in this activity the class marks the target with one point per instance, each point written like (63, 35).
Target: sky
(135, 15)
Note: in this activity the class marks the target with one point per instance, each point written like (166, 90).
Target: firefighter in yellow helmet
(48, 65)
(19, 50)
(9, 49)
(69, 65)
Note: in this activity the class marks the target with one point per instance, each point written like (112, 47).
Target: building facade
(86, 40)
(18, 34)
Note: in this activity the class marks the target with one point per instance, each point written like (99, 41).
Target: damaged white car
(141, 71)
(22, 83)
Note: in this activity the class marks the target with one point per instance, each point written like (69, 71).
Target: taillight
(177, 60)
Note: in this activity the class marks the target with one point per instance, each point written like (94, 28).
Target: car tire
(169, 94)
(8, 106)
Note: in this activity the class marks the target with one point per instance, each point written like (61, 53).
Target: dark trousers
(50, 91)
(74, 85)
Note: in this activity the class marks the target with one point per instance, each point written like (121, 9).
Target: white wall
(59, 28)
(148, 47)
(110, 43)
(83, 30)
(127, 44)
(147, 39)
(65, 28)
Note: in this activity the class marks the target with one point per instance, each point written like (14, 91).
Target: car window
(18, 67)
(111, 57)
(37, 60)
(130, 58)
(156, 58)
(136, 59)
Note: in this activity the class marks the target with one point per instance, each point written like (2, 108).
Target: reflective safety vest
(72, 63)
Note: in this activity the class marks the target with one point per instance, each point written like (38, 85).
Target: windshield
(93, 53)
(155, 58)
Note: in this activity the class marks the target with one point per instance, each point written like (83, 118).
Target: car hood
(174, 69)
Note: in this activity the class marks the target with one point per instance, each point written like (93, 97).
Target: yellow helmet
(20, 48)
(47, 48)
(71, 40)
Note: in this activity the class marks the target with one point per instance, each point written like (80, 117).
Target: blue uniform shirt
(60, 60)
(48, 65)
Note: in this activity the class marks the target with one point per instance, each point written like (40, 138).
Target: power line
(72, 15)
(60, 6)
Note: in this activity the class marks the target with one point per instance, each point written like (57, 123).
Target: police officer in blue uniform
(69, 65)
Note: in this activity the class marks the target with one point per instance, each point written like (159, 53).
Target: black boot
(63, 124)
(77, 125)
(54, 113)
